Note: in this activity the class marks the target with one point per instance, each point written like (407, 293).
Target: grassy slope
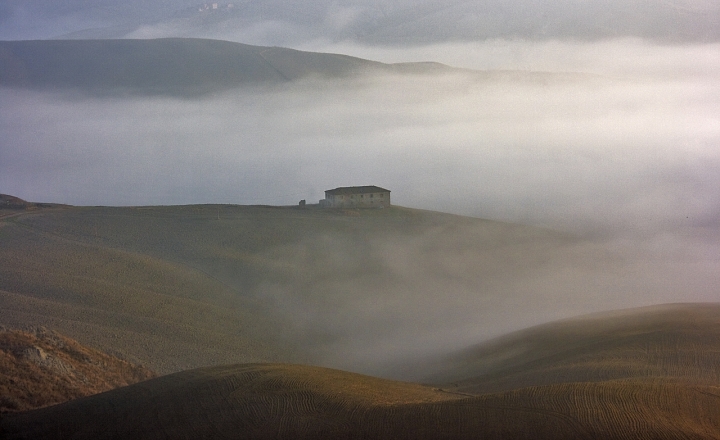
(177, 287)
(176, 284)
(154, 311)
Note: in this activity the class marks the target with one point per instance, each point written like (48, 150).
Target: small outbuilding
(357, 197)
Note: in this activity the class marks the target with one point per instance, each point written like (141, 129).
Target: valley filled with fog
(548, 267)
(614, 143)
(632, 146)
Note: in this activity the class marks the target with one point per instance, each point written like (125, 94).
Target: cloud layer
(559, 150)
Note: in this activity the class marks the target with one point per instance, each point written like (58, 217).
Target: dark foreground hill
(680, 400)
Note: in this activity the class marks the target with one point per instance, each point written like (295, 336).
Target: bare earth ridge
(39, 367)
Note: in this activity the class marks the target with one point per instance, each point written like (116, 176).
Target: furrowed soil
(645, 373)
(674, 341)
(263, 401)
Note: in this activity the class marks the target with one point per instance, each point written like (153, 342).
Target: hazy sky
(396, 22)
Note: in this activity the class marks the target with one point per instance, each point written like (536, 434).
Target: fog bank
(574, 152)
(627, 160)
(617, 57)
(371, 304)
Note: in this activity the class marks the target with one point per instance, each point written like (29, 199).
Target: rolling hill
(675, 341)
(217, 295)
(193, 67)
(175, 66)
(180, 287)
(121, 301)
(291, 401)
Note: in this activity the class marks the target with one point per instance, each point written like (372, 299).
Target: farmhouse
(357, 197)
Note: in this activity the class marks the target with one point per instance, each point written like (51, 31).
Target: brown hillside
(676, 341)
(40, 368)
(12, 202)
(182, 287)
(264, 401)
(6, 199)
(150, 310)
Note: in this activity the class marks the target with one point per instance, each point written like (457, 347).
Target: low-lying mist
(627, 163)
(372, 303)
(571, 151)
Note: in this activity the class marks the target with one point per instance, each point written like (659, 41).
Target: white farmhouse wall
(357, 197)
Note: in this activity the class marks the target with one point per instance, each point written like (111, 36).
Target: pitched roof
(356, 190)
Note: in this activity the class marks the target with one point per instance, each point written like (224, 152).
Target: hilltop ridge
(192, 67)
(175, 66)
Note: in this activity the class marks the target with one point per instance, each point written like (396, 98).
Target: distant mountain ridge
(171, 65)
(190, 67)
